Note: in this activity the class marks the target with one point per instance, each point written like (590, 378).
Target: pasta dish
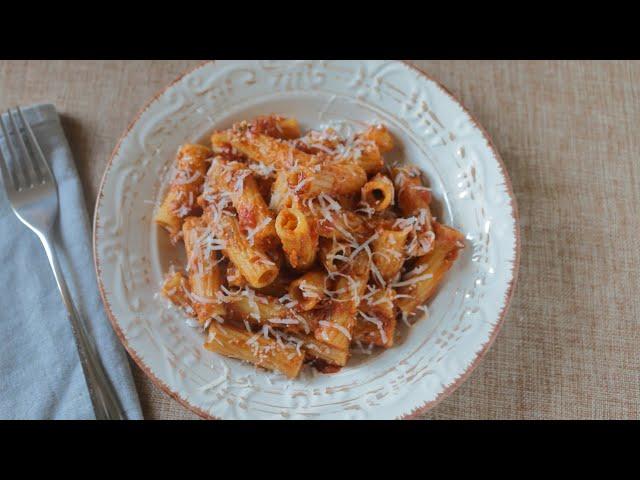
(301, 247)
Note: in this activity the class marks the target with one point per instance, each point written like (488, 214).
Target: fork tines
(27, 166)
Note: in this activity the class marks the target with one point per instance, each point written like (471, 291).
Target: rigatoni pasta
(191, 167)
(414, 199)
(376, 320)
(378, 193)
(234, 342)
(176, 289)
(308, 290)
(338, 328)
(420, 283)
(254, 216)
(389, 251)
(298, 236)
(203, 268)
(257, 268)
(301, 247)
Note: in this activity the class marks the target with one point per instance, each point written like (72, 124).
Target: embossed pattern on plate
(471, 190)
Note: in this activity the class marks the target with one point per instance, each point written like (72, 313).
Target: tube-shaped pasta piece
(334, 255)
(220, 140)
(268, 353)
(350, 287)
(370, 145)
(254, 215)
(281, 194)
(315, 142)
(263, 310)
(306, 174)
(253, 263)
(176, 290)
(336, 222)
(265, 149)
(312, 176)
(280, 286)
(269, 311)
(378, 192)
(319, 350)
(413, 199)
(192, 163)
(343, 177)
(379, 135)
(276, 126)
(167, 217)
(389, 252)
(308, 290)
(362, 149)
(202, 265)
(376, 322)
(337, 331)
(234, 277)
(370, 158)
(420, 237)
(298, 236)
(420, 284)
(366, 154)
(266, 310)
(412, 195)
(271, 125)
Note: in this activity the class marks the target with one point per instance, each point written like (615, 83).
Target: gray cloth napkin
(40, 372)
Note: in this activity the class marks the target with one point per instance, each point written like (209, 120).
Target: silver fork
(33, 194)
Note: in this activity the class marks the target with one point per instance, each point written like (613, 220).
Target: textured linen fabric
(568, 134)
(40, 372)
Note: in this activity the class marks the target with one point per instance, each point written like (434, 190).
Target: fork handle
(101, 391)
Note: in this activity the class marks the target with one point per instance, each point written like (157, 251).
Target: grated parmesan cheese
(180, 180)
(340, 328)
(252, 232)
(412, 281)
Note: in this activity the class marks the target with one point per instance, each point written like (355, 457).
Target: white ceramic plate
(433, 130)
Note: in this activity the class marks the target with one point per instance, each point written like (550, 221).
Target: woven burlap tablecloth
(568, 134)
